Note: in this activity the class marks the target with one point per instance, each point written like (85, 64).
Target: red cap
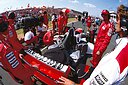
(105, 12)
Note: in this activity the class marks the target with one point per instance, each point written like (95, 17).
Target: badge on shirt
(110, 32)
(103, 27)
(10, 34)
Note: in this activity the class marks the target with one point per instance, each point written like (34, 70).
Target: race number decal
(99, 79)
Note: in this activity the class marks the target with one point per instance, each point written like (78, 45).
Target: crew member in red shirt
(103, 38)
(88, 23)
(11, 21)
(66, 19)
(60, 21)
(11, 35)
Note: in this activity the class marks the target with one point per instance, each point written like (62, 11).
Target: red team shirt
(88, 22)
(13, 40)
(61, 20)
(103, 38)
(66, 20)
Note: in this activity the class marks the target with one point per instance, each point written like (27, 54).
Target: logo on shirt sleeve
(103, 27)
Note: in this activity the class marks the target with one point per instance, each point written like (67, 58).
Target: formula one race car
(36, 69)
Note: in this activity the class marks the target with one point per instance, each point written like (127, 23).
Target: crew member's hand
(65, 81)
(98, 52)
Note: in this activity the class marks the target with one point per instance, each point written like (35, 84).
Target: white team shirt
(29, 35)
(108, 70)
